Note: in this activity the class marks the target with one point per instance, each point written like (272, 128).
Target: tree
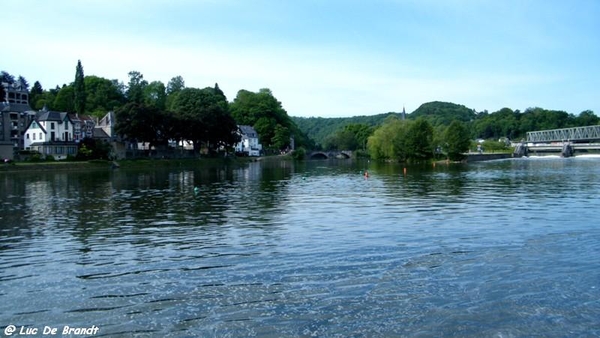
(23, 82)
(79, 94)
(35, 93)
(587, 118)
(102, 95)
(281, 137)
(388, 142)
(138, 121)
(91, 149)
(155, 95)
(264, 112)
(64, 99)
(7, 78)
(135, 87)
(203, 117)
(419, 140)
(457, 140)
(176, 84)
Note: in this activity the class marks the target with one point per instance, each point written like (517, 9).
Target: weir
(566, 142)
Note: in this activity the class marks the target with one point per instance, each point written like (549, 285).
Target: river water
(506, 248)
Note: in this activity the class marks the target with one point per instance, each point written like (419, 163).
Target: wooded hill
(504, 123)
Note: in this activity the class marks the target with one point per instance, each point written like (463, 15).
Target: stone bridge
(340, 154)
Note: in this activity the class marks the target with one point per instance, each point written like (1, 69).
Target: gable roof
(248, 131)
(39, 126)
(50, 116)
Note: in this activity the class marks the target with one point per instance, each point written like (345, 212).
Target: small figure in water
(366, 174)
(196, 190)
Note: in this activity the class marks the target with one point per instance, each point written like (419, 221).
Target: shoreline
(113, 165)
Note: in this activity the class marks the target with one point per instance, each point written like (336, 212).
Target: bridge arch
(324, 155)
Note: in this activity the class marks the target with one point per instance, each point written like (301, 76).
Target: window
(52, 125)
(28, 135)
(33, 136)
(66, 125)
(40, 137)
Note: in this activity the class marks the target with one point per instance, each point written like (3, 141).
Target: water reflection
(298, 249)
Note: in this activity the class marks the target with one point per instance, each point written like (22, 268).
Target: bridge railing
(589, 133)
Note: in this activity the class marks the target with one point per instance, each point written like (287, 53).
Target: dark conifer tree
(79, 89)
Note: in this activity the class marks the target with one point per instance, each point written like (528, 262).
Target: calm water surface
(498, 249)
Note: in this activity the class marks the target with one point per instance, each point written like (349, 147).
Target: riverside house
(249, 142)
(51, 134)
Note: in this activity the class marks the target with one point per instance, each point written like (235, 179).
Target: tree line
(156, 113)
(444, 127)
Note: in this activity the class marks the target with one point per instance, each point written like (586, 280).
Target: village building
(15, 116)
(249, 143)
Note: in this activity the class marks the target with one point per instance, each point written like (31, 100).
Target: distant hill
(437, 113)
(319, 128)
(443, 113)
(503, 123)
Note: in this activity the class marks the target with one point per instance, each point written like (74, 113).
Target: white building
(249, 141)
(51, 134)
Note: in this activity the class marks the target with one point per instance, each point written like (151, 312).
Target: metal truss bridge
(576, 134)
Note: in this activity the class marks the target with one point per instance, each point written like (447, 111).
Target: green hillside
(443, 113)
(437, 113)
(319, 128)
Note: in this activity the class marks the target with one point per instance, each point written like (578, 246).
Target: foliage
(266, 114)
(419, 141)
(102, 95)
(155, 95)
(64, 99)
(457, 140)
(443, 113)
(350, 137)
(319, 129)
(143, 123)
(135, 87)
(299, 153)
(203, 116)
(92, 149)
(388, 142)
(35, 93)
(6, 77)
(79, 89)
(176, 84)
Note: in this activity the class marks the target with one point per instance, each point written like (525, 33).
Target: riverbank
(477, 157)
(108, 165)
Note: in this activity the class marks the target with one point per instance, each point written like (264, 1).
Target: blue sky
(323, 58)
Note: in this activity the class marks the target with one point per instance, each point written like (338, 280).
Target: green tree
(176, 84)
(203, 117)
(135, 87)
(457, 140)
(79, 89)
(91, 149)
(281, 137)
(587, 118)
(174, 87)
(155, 95)
(102, 95)
(138, 121)
(419, 140)
(264, 112)
(35, 93)
(64, 99)
(389, 141)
